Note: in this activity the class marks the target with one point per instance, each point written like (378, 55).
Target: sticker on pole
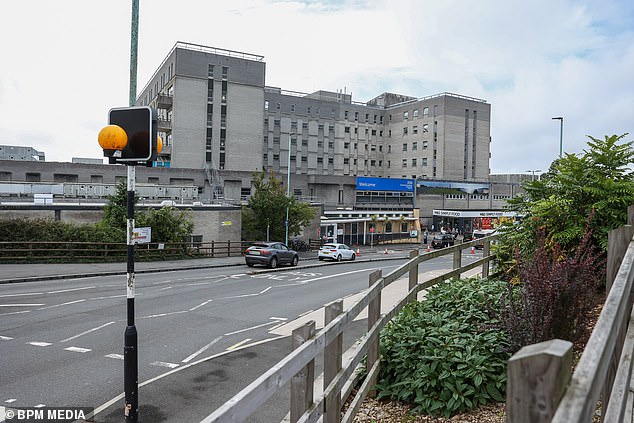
(142, 235)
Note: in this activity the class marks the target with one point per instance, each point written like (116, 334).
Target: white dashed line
(86, 332)
(251, 328)
(70, 290)
(21, 295)
(62, 304)
(164, 364)
(115, 356)
(5, 338)
(200, 351)
(162, 314)
(200, 305)
(77, 349)
(40, 406)
(9, 401)
(40, 344)
(21, 305)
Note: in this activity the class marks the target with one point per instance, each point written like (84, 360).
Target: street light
(533, 172)
(561, 134)
(288, 186)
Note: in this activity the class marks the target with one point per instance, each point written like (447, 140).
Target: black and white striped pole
(130, 350)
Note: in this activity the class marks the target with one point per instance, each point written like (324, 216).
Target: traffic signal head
(140, 126)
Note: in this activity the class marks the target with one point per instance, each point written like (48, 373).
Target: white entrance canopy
(473, 213)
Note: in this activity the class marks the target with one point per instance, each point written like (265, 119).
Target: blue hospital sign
(385, 184)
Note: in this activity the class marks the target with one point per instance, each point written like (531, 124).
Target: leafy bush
(445, 354)
(555, 294)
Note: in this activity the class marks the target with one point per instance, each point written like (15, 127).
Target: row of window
(472, 196)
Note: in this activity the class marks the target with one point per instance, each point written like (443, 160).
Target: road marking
(248, 295)
(115, 356)
(198, 284)
(110, 296)
(21, 305)
(200, 305)
(163, 314)
(164, 364)
(203, 349)
(40, 344)
(5, 338)
(166, 288)
(9, 401)
(278, 318)
(40, 406)
(62, 304)
(251, 328)
(235, 346)
(21, 295)
(70, 290)
(88, 331)
(15, 312)
(77, 349)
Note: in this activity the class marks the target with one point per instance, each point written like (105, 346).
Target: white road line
(115, 356)
(251, 328)
(70, 290)
(200, 305)
(62, 304)
(166, 288)
(164, 364)
(86, 332)
(77, 349)
(5, 338)
(236, 346)
(108, 297)
(202, 350)
(198, 283)
(21, 305)
(9, 401)
(21, 295)
(15, 312)
(278, 318)
(40, 344)
(163, 314)
(248, 295)
(40, 406)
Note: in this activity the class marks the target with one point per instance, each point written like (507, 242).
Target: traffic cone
(385, 250)
(358, 252)
(428, 248)
(472, 250)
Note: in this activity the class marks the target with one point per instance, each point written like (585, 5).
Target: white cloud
(66, 63)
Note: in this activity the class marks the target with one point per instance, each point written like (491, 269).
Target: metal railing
(339, 376)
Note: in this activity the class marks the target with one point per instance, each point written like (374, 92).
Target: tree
(168, 224)
(265, 211)
(589, 191)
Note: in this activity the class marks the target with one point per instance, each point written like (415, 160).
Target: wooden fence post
(374, 313)
(413, 271)
(537, 378)
(302, 383)
(212, 249)
(486, 251)
(457, 261)
(332, 365)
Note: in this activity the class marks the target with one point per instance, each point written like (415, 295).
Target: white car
(336, 252)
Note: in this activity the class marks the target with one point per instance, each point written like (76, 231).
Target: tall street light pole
(561, 134)
(288, 186)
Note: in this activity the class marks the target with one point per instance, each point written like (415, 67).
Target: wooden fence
(540, 385)
(339, 378)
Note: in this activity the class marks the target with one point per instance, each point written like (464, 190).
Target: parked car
(336, 252)
(467, 236)
(442, 241)
(270, 254)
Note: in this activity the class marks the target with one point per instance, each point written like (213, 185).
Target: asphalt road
(61, 341)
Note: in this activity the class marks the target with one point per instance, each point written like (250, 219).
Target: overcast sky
(65, 63)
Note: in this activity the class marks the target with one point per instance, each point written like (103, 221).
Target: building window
(425, 143)
(346, 129)
(405, 115)
(276, 157)
(356, 116)
(425, 128)
(331, 144)
(414, 163)
(320, 160)
(414, 146)
(374, 132)
(346, 161)
(278, 106)
(276, 140)
(292, 108)
(415, 113)
(304, 143)
(404, 146)
(405, 131)
(415, 129)
(304, 159)
(425, 111)
(346, 145)
(266, 105)
(225, 71)
(331, 160)
(308, 110)
(404, 163)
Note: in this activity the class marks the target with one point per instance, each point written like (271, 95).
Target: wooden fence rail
(540, 386)
(339, 378)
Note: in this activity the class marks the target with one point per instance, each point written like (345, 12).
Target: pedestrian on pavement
(425, 237)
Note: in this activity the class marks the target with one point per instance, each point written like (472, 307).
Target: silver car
(336, 252)
(270, 254)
